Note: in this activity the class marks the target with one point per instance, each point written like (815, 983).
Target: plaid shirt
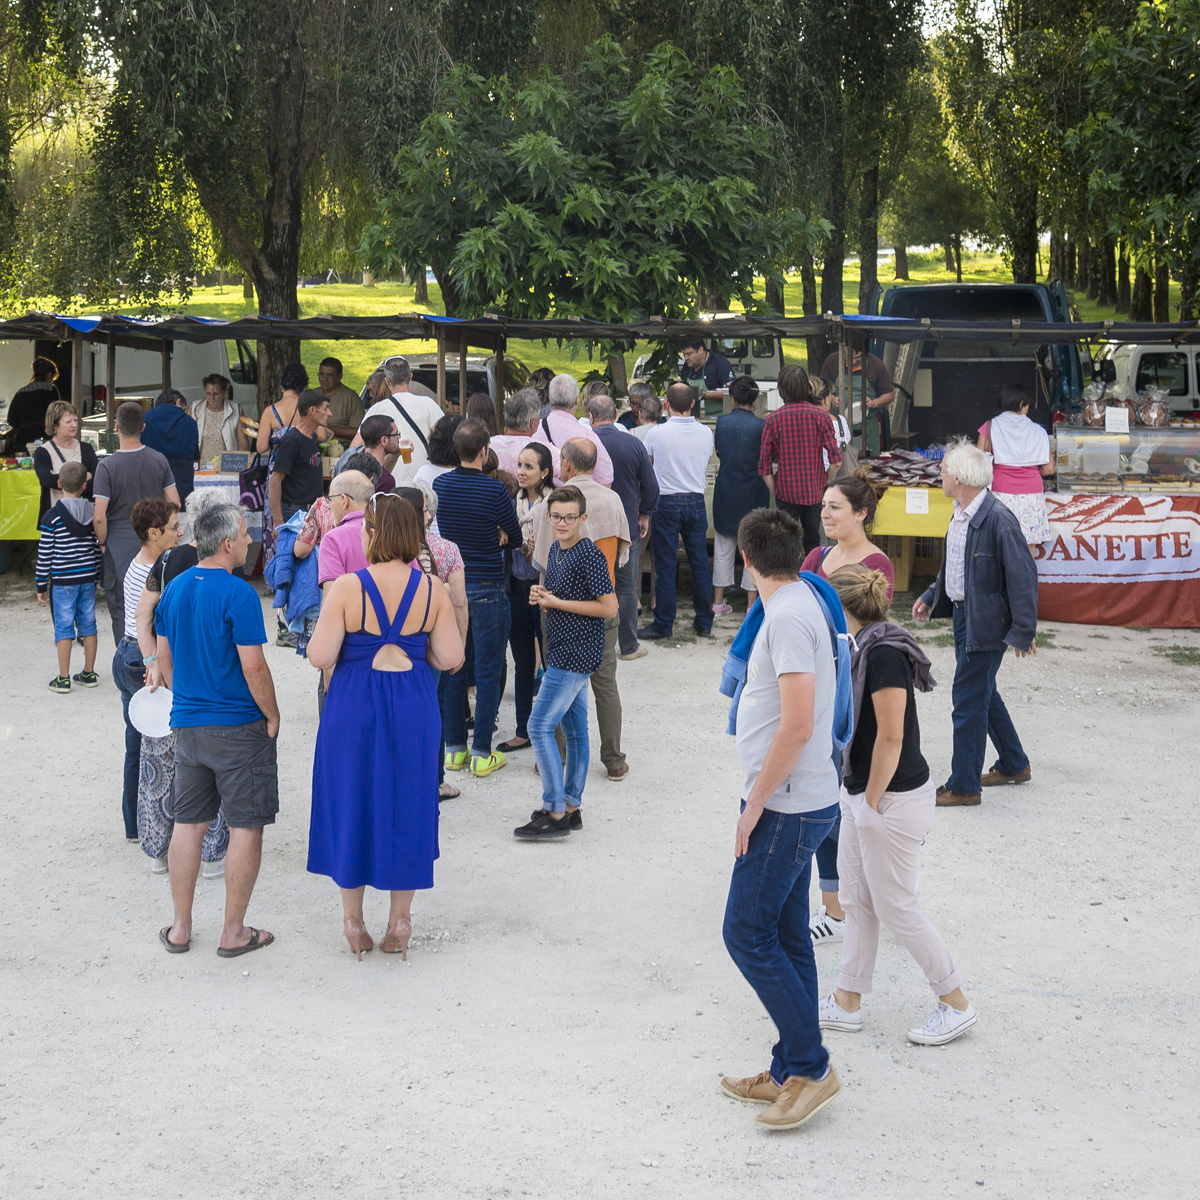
(794, 437)
(956, 547)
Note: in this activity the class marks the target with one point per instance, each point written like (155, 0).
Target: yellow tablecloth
(892, 519)
(20, 495)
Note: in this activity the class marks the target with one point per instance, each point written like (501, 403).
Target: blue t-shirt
(575, 642)
(206, 614)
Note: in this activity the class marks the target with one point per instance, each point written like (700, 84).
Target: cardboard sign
(916, 500)
(1116, 420)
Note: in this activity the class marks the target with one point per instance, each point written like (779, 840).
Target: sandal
(448, 792)
(253, 944)
(511, 745)
(164, 936)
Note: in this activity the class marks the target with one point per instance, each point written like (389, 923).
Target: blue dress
(375, 778)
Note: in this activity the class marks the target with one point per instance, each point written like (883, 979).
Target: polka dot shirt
(573, 642)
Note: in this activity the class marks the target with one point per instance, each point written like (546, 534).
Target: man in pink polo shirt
(341, 548)
(561, 424)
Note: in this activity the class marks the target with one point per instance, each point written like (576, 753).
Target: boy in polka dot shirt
(576, 594)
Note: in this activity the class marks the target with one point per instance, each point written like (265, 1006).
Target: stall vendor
(870, 387)
(705, 370)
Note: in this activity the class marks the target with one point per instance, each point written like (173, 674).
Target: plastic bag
(1155, 411)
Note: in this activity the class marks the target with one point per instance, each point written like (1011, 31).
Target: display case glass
(1142, 460)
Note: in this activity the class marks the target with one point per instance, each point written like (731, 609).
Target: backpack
(733, 678)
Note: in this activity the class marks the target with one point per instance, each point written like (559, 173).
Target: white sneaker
(944, 1025)
(213, 870)
(833, 1016)
(158, 866)
(825, 928)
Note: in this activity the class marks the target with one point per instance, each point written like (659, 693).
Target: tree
(622, 195)
(1142, 137)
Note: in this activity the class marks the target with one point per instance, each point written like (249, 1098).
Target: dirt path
(568, 1009)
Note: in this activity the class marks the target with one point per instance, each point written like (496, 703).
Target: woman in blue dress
(375, 771)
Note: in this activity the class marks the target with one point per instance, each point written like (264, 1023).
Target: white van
(1143, 367)
(139, 372)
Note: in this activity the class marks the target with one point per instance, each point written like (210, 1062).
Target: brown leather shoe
(799, 1098)
(948, 799)
(996, 778)
(757, 1089)
(616, 774)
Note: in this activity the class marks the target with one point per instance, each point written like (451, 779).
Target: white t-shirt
(426, 413)
(794, 638)
(680, 451)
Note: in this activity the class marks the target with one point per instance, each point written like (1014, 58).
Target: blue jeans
(562, 699)
(129, 674)
(681, 515)
(979, 713)
(767, 936)
(488, 611)
(827, 852)
(74, 608)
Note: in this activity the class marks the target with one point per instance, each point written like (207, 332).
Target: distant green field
(360, 358)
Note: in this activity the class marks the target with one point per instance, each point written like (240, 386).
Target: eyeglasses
(563, 519)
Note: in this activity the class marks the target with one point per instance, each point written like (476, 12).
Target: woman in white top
(1020, 450)
(442, 456)
(218, 420)
(156, 523)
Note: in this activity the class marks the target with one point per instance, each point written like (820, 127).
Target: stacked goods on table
(906, 468)
(1151, 409)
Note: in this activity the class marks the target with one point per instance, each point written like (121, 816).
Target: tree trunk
(1140, 301)
(901, 261)
(1082, 265)
(868, 237)
(808, 306)
(1122, 278)
(775, 295)
(958, 257)
(421, 289)
(1108, 271)
(1094, 266)
(1054, 266)
(1187, 290)
(1024, 245)
(1162, 292)
(368, 278)
(835, 243)
(618, 374)
(1069, 257)
(247, 288)
(948, 248)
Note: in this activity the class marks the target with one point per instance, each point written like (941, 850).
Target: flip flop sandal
(513, 747)
(252, 944)
(164, 936)
(452, 794)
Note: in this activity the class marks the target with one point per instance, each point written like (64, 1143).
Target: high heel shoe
(358, 937)
(396, 940)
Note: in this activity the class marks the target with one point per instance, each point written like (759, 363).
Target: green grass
(1044, 640)
(1183, 656)
(939, 639)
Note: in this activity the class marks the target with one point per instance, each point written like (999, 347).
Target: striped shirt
(63, 558)
(472, 508)
(956, 547)
(135, 585)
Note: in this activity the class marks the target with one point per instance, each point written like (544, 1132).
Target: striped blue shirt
(472, 509)
(956, 547)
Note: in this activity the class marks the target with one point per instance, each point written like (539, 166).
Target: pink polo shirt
(341, 551)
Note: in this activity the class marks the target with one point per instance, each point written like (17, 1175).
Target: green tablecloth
(20, 494)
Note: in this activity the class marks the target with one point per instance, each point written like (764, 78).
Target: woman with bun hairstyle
(847, 515)
(888, 804)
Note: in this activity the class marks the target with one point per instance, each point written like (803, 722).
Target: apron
(874, 420)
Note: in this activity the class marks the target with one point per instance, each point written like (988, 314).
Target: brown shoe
(799, 1098)
(996, 778)
(758, 1089)
(616, 774)
(948, 799)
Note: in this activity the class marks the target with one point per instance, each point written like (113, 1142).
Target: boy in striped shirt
(69, 558)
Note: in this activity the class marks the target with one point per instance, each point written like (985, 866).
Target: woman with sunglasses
(383, 631)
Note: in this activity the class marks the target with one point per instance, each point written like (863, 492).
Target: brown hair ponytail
(862, 591)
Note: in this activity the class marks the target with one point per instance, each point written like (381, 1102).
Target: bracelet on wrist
(149, 658)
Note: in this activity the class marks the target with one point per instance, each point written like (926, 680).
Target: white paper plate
(150, 712)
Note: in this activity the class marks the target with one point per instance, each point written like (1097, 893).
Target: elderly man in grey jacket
(988, 584)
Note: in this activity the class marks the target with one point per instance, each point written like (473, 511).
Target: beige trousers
(608, 703)
(879, 863)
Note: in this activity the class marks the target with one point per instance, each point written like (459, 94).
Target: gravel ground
(568, 1009)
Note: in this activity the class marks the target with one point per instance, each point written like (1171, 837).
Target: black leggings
(525, 632)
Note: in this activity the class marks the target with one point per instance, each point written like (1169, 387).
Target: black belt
(958, 603)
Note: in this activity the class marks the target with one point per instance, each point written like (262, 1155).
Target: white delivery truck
(1143, 367)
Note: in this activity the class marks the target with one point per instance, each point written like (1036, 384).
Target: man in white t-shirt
(415, 417)
(789, 803)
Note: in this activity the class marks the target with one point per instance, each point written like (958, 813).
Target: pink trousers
(879, 862)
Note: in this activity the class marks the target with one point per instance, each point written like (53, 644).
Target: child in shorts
(68, 561)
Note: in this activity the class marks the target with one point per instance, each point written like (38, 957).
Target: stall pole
(166, 366)
(441, 367)
(110, 382)
(77, 372)
(500, 386)
(462, 374)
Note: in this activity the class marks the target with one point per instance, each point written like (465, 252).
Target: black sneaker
(60, 683)
(704, 633)
(574, 819)
(87, 679)
(650, 634)
(542, 828)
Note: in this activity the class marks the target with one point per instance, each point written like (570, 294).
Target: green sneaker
(481, 766)
(456, 760)
(87, 679)
(60, 683)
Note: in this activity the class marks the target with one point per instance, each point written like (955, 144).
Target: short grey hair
(354, 485)
(213, 524)
(397, 371)
(639, 392)
(650, 407)
(602, 408)
(431, 497)
(968, 464)
(563, 391)
(580, 453)
(521, 409)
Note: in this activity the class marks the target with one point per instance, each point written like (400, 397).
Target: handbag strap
(411, 423)
(546, 427)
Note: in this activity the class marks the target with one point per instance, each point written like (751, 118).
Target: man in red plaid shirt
(791, 461)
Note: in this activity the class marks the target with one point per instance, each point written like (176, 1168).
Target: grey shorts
(230, 767)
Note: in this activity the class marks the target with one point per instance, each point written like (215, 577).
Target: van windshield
(965, 304)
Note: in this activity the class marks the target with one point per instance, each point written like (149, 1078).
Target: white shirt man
(680, 450)
(423, 413)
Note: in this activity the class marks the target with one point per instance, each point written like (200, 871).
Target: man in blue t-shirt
(210, 639)
(577, 596)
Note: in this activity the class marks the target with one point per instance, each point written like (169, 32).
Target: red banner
(1121, 560)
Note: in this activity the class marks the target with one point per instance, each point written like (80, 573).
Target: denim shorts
(74, 608)
(230, 767)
